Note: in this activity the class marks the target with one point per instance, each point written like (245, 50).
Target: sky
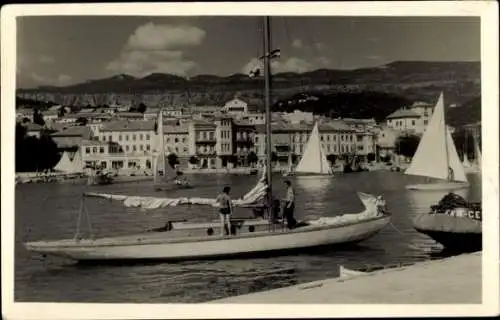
(64, 50)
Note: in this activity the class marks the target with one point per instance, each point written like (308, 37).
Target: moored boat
(201, 241)
(454, 223)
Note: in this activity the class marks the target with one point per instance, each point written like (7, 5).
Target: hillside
(460, 82)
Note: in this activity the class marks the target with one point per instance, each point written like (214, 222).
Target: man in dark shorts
(225, 211)
(289, 205)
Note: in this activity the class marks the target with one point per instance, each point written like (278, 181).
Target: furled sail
(256, 194)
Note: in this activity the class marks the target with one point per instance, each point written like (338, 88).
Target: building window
(133, 137)
(126, 137)
(141, 137)
(101, 150)
(94, 150)
(141, 147)
(359, 138)
(148, 147)
(87, 150)
(120, 137)
(425, 122)
(176, 140)
(127, 148)
(104, 138)
(134, 148)
(413, 122)
(110, 138)
(147, 136)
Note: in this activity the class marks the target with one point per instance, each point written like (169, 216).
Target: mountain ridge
(413, 80)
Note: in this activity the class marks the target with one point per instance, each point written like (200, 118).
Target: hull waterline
(437, 186)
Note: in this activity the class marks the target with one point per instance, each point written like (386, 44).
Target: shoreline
(451, 280)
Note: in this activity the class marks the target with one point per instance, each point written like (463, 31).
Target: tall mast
(267, 77)
(446, 138)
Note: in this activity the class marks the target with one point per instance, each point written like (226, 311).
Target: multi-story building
(203, 142)
(336, 138)
(244, 137)
(225, 138)
(413, 119)
(386, 141)
(236, 108)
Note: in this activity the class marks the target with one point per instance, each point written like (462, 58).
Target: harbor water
(50, 211)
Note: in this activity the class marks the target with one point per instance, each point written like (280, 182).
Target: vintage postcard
(222, 160)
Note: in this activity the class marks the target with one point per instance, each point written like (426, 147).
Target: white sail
(313, 159)
(65, 164)
(454, 161)
(430, 159)
(77, 162)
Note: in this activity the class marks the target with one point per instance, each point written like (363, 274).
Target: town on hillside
(217, 137)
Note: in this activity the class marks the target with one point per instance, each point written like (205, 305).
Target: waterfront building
(386, 140)
(412, 119)
(298, 116)
(336, 138)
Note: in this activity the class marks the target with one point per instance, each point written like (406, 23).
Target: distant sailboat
(289, 169)
(170, 175)
(313, 161)
(436, 156)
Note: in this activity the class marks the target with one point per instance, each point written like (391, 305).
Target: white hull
(438, 186)
(162, 246)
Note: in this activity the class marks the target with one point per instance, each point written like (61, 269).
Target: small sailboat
(313, 161)
(436, 156)
(185, 240)
(289, 170)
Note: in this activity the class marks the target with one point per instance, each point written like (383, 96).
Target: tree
(406, 145)
(38, 118)
(26, 120)
(252, 157)
(331, 158)
(141, 108)
(173, 160)
(34, 154)
(370, 157)
(193, 160)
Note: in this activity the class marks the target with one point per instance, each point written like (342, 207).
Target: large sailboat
(436, 156)
(188, 240)
(313, 161)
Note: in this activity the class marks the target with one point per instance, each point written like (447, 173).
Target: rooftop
(332, 126)
(124, 125)
(403, 113)
(76, 131)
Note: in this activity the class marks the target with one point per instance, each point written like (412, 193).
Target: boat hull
(455, 241)
(437, 186)
(159, 246)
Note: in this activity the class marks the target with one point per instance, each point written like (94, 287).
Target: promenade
(454, 280)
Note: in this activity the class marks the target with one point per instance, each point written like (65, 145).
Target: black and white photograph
(183, 154)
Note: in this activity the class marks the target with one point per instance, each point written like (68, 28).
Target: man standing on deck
(289, 205)
(225, 211)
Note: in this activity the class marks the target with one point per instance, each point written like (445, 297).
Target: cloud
(292, 64)
(164, 37)
(62, 79)
(297, 43)
(142, 63)
(158, 48)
